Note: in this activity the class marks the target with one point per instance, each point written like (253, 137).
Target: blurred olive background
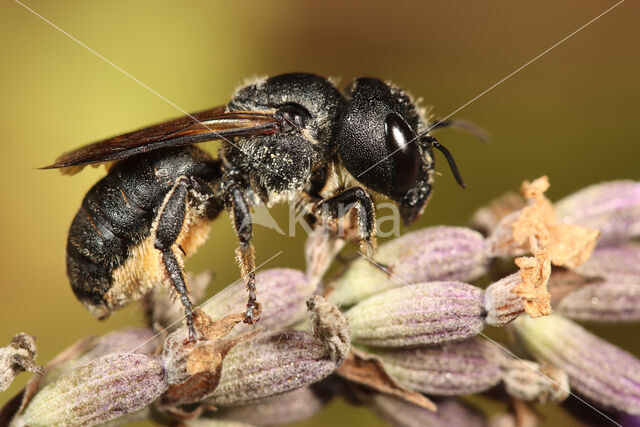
(572, 114)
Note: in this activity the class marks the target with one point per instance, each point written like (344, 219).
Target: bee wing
(198, 127)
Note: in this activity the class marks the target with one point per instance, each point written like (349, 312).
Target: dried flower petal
(18, 356)
(611, 207)
(400, 413)
(194, 369)
(526, 380)
(271, 364)
(101, 390)
(367, 370)
(330, 326)
(535, 229)
(469, 366)
(437, 253)
(425, 313)
(598, 370)
(501, 302)
(286, 408)
(534, 276)
(614, 300)
(282, 292)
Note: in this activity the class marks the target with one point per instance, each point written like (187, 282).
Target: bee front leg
(245, 255)
(169, 224)
(337, 206)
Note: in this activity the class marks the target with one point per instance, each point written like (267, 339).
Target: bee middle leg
(245, 255)
(337, 206)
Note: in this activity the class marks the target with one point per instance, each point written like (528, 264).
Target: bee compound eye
(401, 147)
(293, 116)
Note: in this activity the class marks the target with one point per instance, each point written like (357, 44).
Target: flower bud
(614, 300)
(465, 367)
(282, 292)
(437, 253)
(425, 313)
(278, 410)
(613, 261)
(271, 364)
(129, 340)
(611, 207)
(450, 412)
(101, 390)
(597, 370)
(501, 302)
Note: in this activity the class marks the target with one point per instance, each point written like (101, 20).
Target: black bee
(292, 137)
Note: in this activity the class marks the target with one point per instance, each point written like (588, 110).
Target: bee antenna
(447, 155)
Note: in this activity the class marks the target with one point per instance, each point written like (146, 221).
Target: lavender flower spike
(612, 207)
(425, 313)
(102, 390)
(281, 291)
(469, 366)
(437, 253)
(597, 370)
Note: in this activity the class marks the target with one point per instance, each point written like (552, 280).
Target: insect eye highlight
(401, 146)
(292, 116)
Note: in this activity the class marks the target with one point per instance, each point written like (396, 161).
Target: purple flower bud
(437, 253)
(465, 367)
(501, 302)
(613, 261)
(617, 299)
(129, 340)
(450, 412)
(281, 291)
(101, 390)
(269, 365)
(597, 370)
(286, 408)
(425, 313)
(611, 207)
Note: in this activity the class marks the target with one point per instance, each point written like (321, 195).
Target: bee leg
(169, 224)
(338, 205)
(245, 255)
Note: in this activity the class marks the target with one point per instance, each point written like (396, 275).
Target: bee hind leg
(170, 222)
